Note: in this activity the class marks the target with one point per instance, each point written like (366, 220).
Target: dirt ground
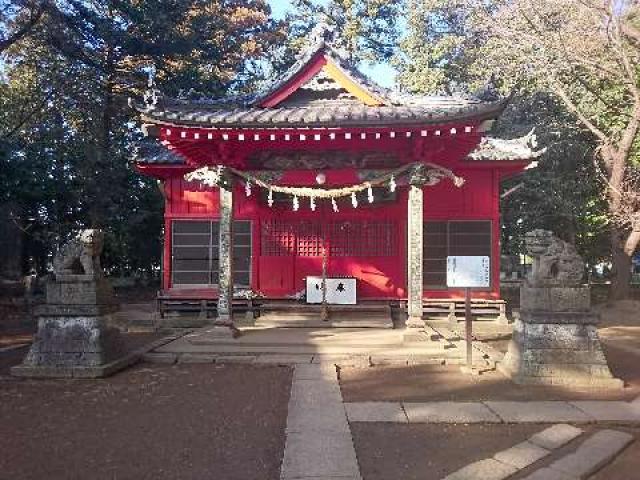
(429, 452)
(620, 334)
(149, 422)
(620, 313)
(440, 383)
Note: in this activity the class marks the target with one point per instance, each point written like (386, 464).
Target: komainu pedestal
(74, 338)
(555, 340)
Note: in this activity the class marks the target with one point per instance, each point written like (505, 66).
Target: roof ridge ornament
(152, 95)
(520, 148)
(489, 92)
(323, 32)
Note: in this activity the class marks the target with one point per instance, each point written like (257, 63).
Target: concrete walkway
(319, 443)
(496, 412)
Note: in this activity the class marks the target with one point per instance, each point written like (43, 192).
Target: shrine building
(324, 174)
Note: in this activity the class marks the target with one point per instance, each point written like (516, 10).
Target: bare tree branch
(558, 90)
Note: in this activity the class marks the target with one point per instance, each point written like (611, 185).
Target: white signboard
(467, 271)
(340, 291)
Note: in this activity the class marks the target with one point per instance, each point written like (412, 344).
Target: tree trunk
(621, 282)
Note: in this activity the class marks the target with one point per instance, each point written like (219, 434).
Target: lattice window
(195, 257)
(362, 239)
(278, 238)
(344, 239)
(310, 239)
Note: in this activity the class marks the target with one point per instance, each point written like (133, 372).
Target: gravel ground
(149, 422)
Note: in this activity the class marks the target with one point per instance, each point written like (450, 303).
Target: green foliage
(451, 46)
(562, 193)
(67, 133)
(433, 56)
(367, 30)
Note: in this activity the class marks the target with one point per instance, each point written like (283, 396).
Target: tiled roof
(153, 152)
(246, 112)
(323, 114)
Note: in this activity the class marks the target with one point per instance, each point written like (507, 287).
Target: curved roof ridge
(519, 148)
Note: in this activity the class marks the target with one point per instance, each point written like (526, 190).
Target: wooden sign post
(468, 272)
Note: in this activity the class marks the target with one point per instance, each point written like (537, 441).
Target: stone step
(314, 321)
(350, 360)
(340, 316)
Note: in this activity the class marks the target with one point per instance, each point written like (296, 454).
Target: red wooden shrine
(324, 120)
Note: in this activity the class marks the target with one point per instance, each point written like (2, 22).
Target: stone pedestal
(555, 340)
(74, 338)
(81, 290)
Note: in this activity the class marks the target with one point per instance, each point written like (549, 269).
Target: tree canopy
(69, 66)
(582, 56)
(65, 126)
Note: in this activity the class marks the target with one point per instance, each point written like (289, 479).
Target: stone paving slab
(555, 436)
(449, 412)
(320, 418)
(284, 359)
(609, 411)
(538, 412)
(325, 478)
(235, 358)
(196, 358)
(521, 455)
(375, 412)
(319, 443)
(549, 474)
(357, 361)
(314, 372)
(595, 452)
(167, 358)
(488, 469)
(498, 412)
(319, 455)
(314, 391)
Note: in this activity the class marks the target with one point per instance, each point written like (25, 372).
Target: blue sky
(381, 73)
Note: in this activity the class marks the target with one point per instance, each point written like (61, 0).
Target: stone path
(508, 462)
(496, 412)
(319, 443)
(595, 452)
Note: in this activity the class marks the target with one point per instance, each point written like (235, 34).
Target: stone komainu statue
(555, 262)
(81, 256)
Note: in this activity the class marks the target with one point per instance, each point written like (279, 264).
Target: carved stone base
(71, 346)
(555, 299)
(415, 322)
(554, 348)
(80, 290)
